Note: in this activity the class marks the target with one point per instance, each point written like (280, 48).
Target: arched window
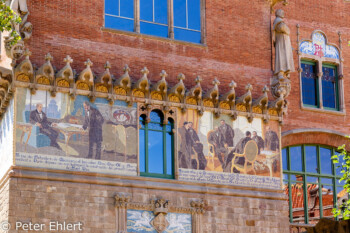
(311, 182)
(321, 73)
(156, 146)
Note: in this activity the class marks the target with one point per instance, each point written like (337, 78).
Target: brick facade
(4, 203)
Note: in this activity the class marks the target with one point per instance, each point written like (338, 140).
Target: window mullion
(171, 19)
(319, 85)
(137, 16)
(146, 147)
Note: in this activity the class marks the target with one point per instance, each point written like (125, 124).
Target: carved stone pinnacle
(88, 63)
(68, 60)
(108, 65)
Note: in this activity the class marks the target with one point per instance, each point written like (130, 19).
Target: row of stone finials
(106, 85)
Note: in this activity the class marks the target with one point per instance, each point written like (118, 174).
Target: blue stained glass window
(309, 84)
(329, 82)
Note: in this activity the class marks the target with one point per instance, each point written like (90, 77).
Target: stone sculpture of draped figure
(284, 63)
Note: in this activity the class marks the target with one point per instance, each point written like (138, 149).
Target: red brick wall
(238, 38)
(238, 46)
(330, 17)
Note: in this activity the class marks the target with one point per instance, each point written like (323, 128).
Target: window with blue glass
(309, 84)
(312, 182)
(329, 87)
(156, 146)
(187, 20)
(155, 18)
(319, 94)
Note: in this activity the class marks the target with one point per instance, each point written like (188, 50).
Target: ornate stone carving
(194, 95)
(45, 74)
(24, 71)
(260, 105)
(123, 84)
(284, 63)
(104, 81)
(159, 90)
(85, 79)
(142, 85)
(230, 97)
(213, 94)
(177, 92)
(65, 77)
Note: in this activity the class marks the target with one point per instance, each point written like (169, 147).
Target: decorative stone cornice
(141, 90)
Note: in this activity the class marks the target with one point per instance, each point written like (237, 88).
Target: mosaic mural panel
(61, 133)
(6, 140)
(223, 151)
(319, 47)
(140, 221)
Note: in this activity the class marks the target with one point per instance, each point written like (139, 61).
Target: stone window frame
(170, 24)
(320, 61)
(169, 113)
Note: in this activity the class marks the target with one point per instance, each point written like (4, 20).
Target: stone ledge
(144, 182)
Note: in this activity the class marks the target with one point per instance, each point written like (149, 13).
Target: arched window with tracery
(156, 146)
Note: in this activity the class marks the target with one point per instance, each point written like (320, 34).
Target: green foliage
(8, 20)
(343, 209)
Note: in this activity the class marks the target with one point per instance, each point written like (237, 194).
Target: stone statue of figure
(284, 63)
(21, 9)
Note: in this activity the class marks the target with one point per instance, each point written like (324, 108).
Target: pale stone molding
(85, 79)
(104, 81)
(122, 85)
(141, 87)
(65, 76)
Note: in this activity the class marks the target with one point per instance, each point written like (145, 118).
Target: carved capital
(280, 86)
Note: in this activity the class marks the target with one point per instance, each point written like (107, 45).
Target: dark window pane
(142, 151)
(161, 11)
(180, 13)
(326, 162)
(169, 154)
(329, 87)
(295, 158)
(155, 152)
(155, 126)
(194, 18)
(127, 8)
(284, 159)
(309, 84)
(187, 35)
(311, 158)
(146, 10)
(112, 7)
(153, 29)
(156, 116)
(119, 23)
(142, 123)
